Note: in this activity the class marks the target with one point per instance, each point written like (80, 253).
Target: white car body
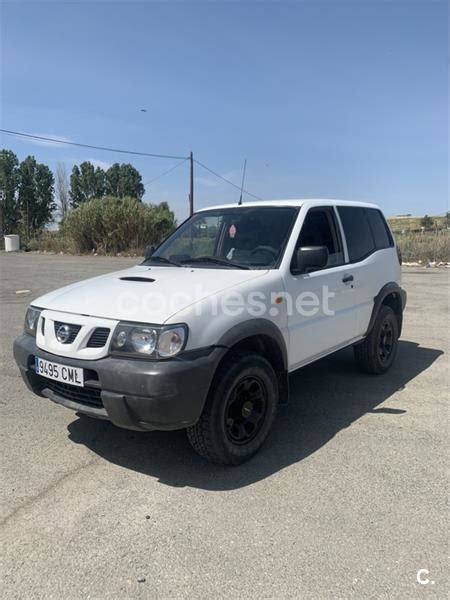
(191, 321)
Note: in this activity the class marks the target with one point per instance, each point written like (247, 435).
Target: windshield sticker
(232, 231)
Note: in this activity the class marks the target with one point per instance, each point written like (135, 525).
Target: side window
(360, 242)
(380, 230)
(319, 229)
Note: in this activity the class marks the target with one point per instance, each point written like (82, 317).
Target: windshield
(241, 237)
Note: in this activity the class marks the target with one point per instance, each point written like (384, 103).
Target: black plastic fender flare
(261, 327)
(389, 288)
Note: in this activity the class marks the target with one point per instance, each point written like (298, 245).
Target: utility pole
(191, 184)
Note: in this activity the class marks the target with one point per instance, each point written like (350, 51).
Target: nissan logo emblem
(63, 334)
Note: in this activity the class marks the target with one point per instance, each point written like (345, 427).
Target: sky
(324, 99)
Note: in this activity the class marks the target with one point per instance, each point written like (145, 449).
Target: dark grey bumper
(134, 393)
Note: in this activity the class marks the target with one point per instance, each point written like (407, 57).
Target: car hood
(142, 293)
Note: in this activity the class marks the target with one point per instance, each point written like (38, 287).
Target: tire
(239, 411)
(377, 352)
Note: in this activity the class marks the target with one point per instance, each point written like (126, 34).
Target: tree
(124, 180)
(75, 192)
(9, 177)
(447, 219)
(164, 219)
(86, 183)
(62, 190)
(427, 222)
(35, 195)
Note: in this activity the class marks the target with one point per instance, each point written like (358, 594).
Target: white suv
(204, 333)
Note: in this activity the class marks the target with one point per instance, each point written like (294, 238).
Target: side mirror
(309, 258)
(149, 251)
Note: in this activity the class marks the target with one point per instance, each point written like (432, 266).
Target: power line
(167, 171)
(104, 148)
(227, 180)
(133, 152)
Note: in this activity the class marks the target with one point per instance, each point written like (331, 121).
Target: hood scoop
(137, 278)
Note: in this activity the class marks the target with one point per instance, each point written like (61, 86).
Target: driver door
(322, 316)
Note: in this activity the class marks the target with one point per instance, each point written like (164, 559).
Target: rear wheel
(239, 411)
(377, 352)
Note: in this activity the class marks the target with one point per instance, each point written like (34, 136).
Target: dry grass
(51, 241)
(410, 224)
(427, 246)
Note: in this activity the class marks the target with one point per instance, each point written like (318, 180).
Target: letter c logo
(420, 579)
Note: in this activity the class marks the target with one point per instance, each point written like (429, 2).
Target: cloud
(47, 142)
(99, 163)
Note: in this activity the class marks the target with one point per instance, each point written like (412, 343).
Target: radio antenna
(243, 181)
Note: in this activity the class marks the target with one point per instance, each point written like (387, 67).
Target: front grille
(82, 395)
(73, 331)
(98, 337)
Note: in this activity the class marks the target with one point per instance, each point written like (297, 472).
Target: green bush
(112, 225)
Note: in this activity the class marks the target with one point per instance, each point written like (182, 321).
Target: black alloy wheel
(385, 341)
(246, 410)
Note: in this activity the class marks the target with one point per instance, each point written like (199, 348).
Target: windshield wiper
(215, 261)
(161, 259)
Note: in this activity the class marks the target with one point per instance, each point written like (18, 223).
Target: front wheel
(239, 411)
(377, 352)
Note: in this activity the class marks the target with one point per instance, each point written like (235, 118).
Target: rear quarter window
(380, 231)
(358, 233)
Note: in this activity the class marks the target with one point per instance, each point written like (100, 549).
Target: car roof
(308, 202)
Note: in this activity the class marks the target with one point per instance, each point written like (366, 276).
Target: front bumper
(132, 393)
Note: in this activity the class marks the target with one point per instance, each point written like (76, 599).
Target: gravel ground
(346, 500)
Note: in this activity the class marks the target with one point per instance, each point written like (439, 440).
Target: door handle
(347, 278)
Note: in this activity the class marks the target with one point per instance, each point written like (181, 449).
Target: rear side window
(360, 242)
(380, 230)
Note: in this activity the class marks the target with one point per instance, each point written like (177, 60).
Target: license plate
(57, 372)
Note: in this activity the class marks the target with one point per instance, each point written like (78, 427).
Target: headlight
(149, 340)
(171, 341)
(31, 320)
(143, 340)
